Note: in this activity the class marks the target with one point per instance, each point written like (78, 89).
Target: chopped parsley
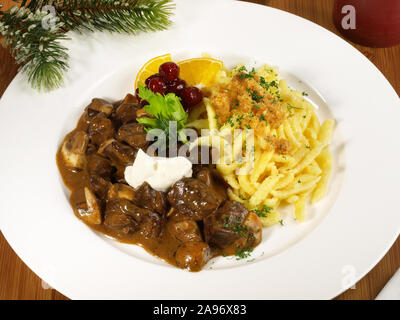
(264, 83)
(305, 94)
(230, 121)
(244, 74)
(254, 95)
(236, 226)
(243, 253)
(281, 222)
(263, 211)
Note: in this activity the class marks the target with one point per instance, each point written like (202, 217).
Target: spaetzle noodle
(290, 161)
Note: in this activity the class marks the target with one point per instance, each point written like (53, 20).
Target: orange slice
(200, 71)
(151, 67)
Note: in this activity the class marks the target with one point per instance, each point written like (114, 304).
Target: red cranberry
(176, 86)
(157, 84)
(139, 99)
(169, 71)
(144, 103)
(156, 75)
(191, 96)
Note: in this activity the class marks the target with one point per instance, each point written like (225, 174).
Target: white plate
(345, 235)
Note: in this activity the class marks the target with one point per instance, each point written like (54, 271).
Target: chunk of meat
(147, 197)
(117, 219)
(99, 166)
(134, 135)
(193, 197)
(100, 129)
(99, 186)
(119, 175)
(193, 255)
(74, 149)
(126, 112)
(204, 174)
(230, 228)
(149, 223)
(91, 149)
(129, 98)
(89, 211)
(117, 152)
(185, 230)
(99, 105)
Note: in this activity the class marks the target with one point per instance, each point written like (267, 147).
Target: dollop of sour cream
(160, 173)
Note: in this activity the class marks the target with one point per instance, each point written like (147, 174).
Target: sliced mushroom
(121, 191)
(253, 225)
(90, 211)
(74, 149)
(117, 152)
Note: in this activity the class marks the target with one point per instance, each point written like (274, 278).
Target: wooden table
(17, 281)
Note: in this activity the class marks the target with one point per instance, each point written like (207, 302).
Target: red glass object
(373, 23)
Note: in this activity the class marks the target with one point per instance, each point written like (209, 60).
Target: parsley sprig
(164, 109)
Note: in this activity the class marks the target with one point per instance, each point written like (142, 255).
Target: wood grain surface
(17, 281)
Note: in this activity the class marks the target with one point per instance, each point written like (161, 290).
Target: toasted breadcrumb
(250, 101)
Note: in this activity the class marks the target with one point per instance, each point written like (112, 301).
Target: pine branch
(38, 49)
(126, 16)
